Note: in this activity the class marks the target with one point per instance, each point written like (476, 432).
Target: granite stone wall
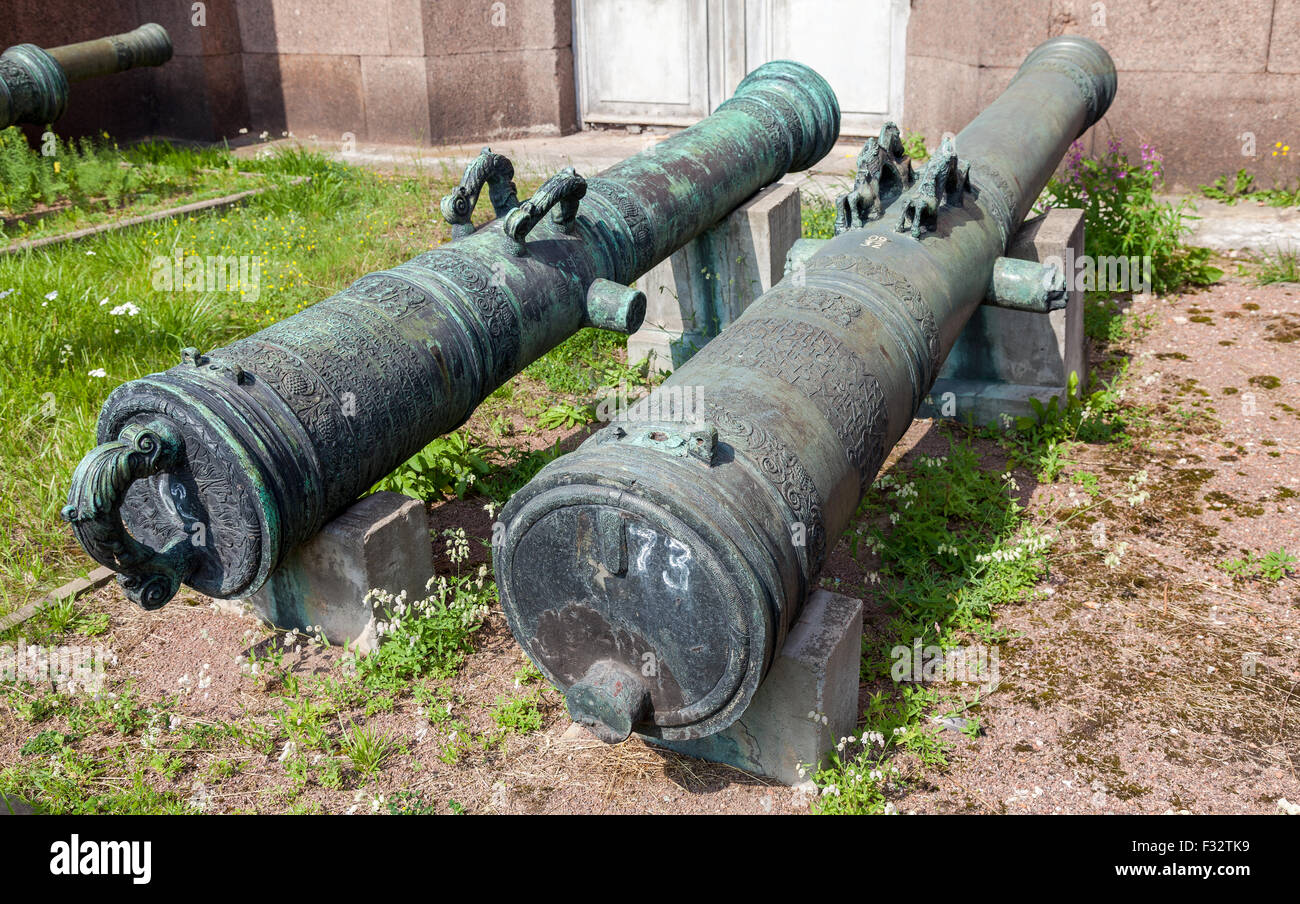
(408, 71)
(1206, 81)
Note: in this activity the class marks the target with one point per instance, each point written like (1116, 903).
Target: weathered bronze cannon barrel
(210, 472)
(654, 572)
(34, 82)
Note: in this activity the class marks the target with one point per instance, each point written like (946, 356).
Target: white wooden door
(671, 62)
(859, 46)
(642, 61)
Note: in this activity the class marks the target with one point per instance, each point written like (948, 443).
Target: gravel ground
(1155, 685)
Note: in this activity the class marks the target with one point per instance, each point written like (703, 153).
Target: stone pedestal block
(381, 542)
(696, 293)
(1004, 358)
(806, 703)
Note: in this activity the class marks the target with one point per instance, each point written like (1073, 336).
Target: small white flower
(97, 372)
(50, 296)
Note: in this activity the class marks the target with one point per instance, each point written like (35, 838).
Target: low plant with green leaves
(1040, 440)
(1271, 566)
(448, 466)
(520, 715)
(914, 147)
(818, 220)
(1281, 265)
(565, 416)
(1241, 186)
(1124, 218)
(429, 637)
(367, 747)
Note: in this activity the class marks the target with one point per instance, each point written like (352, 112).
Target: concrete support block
(381, 542)
(806, 703)
(1004, 358)
(700, 290)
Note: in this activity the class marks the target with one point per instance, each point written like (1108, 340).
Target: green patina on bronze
(674, 549)
(34, 82)
(210, 472)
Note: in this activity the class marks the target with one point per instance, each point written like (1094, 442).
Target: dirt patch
(1153, 683)
(1158, 683)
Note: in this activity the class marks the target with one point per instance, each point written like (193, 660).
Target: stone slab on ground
(381, 542)
(1004, 358)
(1244, 226)
(701, 289)
(71, 590)
(806, 703)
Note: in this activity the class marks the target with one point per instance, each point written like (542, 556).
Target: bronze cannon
(654, 573)
(34, 82)
(209, 473)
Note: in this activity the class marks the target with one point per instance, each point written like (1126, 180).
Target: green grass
(80, 183)
(368, 747)
(953, 545)
(1271, 567)
(58, 329)
(1241, 187)
(1280, 266)
(818, 221)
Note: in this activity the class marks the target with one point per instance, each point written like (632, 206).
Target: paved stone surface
(1245, 226)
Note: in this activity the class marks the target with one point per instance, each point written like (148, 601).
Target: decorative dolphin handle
(562, 191)
(150, 578)
(494, 170)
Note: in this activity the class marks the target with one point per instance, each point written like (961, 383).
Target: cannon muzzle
(654, 573)
(209, 473)
(34, 82)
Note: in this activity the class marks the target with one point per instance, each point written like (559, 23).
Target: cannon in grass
(209, 473)
(653, 573)
(34, 82)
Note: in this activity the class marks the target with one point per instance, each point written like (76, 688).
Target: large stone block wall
(409, 71)
(1194, 75)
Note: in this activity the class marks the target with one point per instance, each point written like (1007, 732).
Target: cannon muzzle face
(643, 612)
